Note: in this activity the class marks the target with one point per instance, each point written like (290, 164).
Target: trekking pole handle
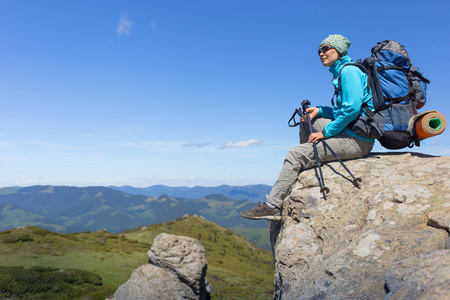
(305, 105)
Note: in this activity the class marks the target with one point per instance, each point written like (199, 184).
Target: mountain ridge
(77, 209)
(253, 193)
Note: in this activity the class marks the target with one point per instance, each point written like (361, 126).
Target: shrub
(48, 283)
(40, 231)
(16, 237)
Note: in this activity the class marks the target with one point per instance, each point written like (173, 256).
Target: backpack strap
(370, 113)
(339, 87)
(418, 74)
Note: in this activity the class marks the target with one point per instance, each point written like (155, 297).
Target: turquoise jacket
(347, 106)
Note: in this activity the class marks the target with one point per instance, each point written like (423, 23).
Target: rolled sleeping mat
(428, 124)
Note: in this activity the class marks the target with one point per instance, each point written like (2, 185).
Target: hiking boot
(262, 211)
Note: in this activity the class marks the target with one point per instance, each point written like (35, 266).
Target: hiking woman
(330, 123)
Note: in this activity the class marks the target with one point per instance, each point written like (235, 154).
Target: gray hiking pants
(302, 157)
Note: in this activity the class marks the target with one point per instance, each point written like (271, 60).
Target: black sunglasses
(324, 49)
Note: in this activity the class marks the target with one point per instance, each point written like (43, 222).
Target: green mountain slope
(12, 217)
(237, 269)
(71, 209)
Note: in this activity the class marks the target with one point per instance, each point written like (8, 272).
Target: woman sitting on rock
(330, 123)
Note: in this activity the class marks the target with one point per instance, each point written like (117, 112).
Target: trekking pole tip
(356, 181)
(325, 190)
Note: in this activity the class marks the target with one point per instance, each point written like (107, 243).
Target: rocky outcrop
(385, 239)
(426, 276)
(176, 270)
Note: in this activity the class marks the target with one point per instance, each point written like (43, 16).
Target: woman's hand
(312, 111)
(315, 137)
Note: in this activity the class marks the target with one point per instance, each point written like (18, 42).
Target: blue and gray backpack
(398, 90)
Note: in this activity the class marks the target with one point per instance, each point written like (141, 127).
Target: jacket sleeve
(349, 105)
(326, 112)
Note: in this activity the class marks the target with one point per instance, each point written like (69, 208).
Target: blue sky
(184, 92)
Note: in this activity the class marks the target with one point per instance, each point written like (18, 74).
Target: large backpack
(398, 90)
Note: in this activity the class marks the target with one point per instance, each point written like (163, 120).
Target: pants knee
(291, 157)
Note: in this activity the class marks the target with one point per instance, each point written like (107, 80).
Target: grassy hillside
(259, 236)
(236, 268)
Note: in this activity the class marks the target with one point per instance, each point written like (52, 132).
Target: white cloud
(241, 144)
(125, 25)
(197, 145)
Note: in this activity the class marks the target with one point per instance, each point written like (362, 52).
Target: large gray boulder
(384, 239)
(426, 276)
(176, 270)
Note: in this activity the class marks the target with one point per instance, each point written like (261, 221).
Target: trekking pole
(323, 189)
(356, 180)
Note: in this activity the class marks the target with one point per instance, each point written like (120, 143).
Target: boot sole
(270, 218)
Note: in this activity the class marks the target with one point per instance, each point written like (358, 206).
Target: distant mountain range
(77, 209)
(248, 192)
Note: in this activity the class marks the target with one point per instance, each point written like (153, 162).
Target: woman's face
(328, 56)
